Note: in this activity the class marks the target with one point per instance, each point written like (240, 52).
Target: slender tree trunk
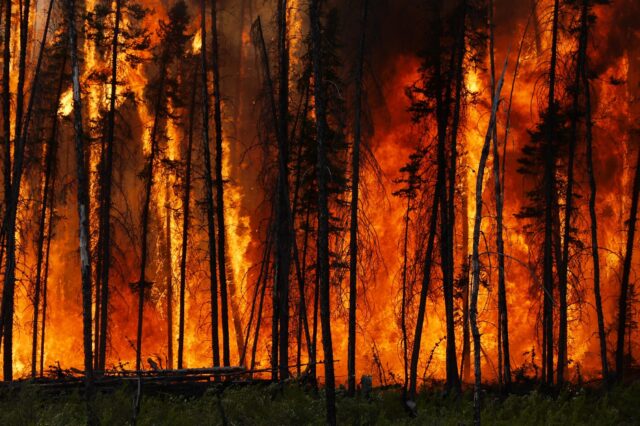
(185, 233)
(475, 257)
(9, 223)
(563, 279)
(353, 232)
(626, 272)
(146, 207)
(106, 184)
(323, 209)
(283, 214)
(403, 308)
(6, 104)
(503, 319)
(45, 280)
(209, 189)
(426, 280)
(595, 254)
(549, 183)
(222, 245)
(50, 158)
(443, 106)
(83, 193)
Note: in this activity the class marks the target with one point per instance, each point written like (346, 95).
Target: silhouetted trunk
(262, 276)
(323, 208)
(105, 186)
(403, 307)
(447, 209)
(595, 254)
(50, 157)
(186, 201)
(503, 320)
(283, 215)
(258, 36)
(6, 106)
(45, 280)
(222, 245)
(353, 231)
(475, 257)
(626, 272)
(208, 184)
(426, 280)
(146, 207)
(13, 196)
(83, 194)
(563, 278)
(549, 183)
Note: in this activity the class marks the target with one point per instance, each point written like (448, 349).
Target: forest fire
(180, 191)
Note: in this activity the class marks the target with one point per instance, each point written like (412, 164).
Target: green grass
(294, 405)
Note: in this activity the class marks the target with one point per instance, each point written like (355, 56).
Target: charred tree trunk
(563, 279)
(595, 254)
(50, 158)
(403, 307)
(503, 319)
(106, 184)
(549, 183)
(626, 272)
(353, 231)
(426, 280)
(45, 279)
(475, 257)
(283, 214)
(323, 208)
(209, 189)
(83, 192)
(146, 207)
(9, 224)
(185, 234)
(222, 245)
(6, 106)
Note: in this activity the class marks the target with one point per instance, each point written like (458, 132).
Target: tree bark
(185, 232)
(626, 272)
(475, 257)
(106, 184)
(50, 158)
(323, 208)
(83, 193)
(353, 232)
(222, 245)
(209, 189)
(595, 254)
(283, 214)
(549, 184)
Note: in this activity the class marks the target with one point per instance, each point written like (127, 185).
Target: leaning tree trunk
(323, 209)
(353, 231)
(9, 224)
(626, 272)
(50, 157)
(208, 184)
(475, 257)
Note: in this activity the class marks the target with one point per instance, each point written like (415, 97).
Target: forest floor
(296, 405)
